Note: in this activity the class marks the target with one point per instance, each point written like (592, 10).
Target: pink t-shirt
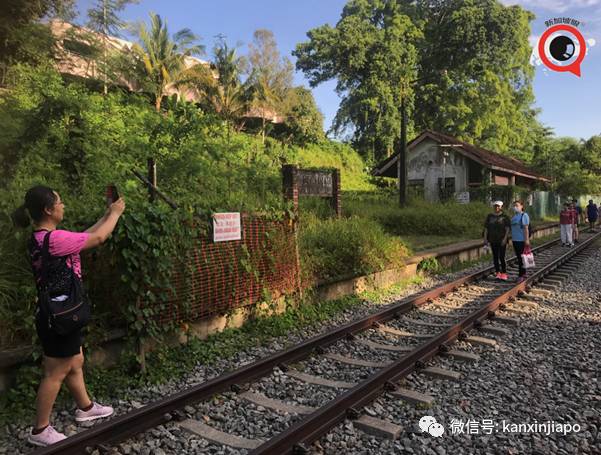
(63, 243)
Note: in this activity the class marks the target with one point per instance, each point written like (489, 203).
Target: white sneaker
(97, 412)
(47, 437)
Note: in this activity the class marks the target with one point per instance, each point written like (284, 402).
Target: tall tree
(220, 84)
(574, 166)
(271, 76)
(379, 45)
(160, 58)
(103, 17)
(487, 97)
(304, 120)
(372, 54)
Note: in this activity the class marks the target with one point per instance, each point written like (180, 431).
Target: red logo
(562, 48)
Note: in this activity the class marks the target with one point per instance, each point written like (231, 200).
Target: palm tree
(220, 86)
(161, 59)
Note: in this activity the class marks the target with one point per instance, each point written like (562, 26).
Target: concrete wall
(426, 162)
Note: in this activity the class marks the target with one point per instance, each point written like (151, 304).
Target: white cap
(499, 203)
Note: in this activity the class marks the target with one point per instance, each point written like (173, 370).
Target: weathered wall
(426, 162)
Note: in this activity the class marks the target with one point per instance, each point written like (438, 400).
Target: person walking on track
(496, 232)
(592, 214)
(56, 265)
(520, 236)
(566, 225)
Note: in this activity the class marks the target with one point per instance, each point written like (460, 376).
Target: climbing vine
(152, 245)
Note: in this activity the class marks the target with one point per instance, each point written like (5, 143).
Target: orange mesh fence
(227, 275)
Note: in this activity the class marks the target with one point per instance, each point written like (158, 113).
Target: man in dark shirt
(496, 232)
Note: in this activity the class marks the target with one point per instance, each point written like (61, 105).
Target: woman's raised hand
(118, 206)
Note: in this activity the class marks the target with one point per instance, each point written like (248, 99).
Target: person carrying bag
(63, 308)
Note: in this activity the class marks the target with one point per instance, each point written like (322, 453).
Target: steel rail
(296, 438)
(127, 425)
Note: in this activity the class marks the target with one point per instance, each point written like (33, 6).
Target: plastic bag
(528, 258)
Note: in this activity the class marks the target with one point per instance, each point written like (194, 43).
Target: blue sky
(569, 104)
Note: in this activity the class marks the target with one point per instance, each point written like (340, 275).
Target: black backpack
(72, 311)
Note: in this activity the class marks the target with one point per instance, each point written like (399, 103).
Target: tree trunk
(157, 104)
(104, 51)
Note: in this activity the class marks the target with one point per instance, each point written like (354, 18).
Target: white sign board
(463, 197)
(226, 226)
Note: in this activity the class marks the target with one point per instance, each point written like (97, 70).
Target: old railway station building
(440, 166)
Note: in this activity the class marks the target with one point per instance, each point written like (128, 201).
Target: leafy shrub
(17, 292)
(335, 248)
(429, 265)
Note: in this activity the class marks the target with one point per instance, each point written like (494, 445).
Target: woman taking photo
(63, 357)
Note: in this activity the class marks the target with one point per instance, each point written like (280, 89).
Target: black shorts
(55, 345)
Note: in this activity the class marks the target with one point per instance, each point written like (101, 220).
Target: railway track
(371, 355)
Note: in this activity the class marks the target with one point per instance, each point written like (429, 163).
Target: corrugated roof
(481, 155)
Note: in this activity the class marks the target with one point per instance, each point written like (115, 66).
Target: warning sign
(226, 227)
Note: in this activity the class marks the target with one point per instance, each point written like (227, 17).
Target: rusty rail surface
(159, 412)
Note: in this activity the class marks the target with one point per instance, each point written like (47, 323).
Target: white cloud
(533, 40)
(558, 6)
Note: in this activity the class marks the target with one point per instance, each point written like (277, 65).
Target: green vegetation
(461, 220)
(481, 93)
(159, 58)
(335, 248)
(576, 165)
(371, 54)
(77, 140)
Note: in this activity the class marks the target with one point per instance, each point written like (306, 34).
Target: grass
(335, 248)
(419, 218)
(418, 243)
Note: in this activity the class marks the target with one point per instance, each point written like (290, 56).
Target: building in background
(441, 167)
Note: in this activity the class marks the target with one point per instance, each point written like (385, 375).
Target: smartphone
(112, 195)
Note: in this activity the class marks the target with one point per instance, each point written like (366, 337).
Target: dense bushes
(335, 248)
(77, 141)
